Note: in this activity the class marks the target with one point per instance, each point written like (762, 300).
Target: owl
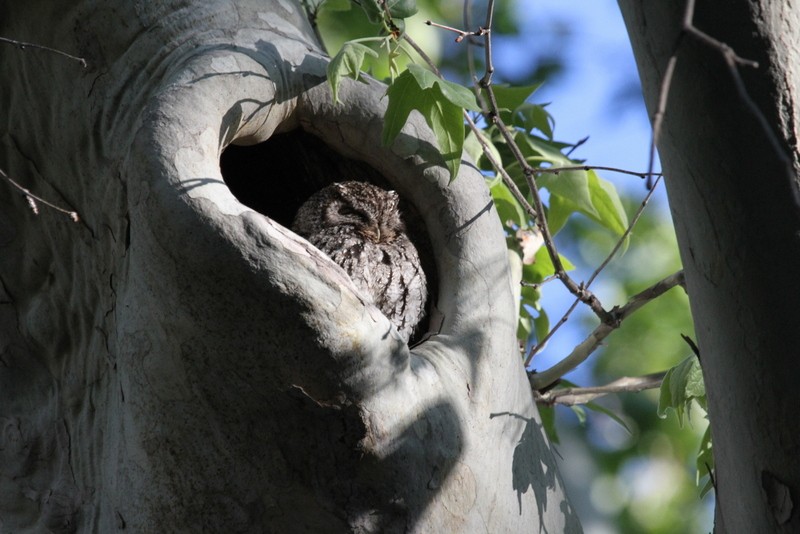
(359, 226)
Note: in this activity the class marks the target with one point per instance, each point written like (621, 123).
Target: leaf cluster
(682, 387)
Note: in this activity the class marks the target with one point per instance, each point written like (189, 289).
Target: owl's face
(363, 208)
(358, 226)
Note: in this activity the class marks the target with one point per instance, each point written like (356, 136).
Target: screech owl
(358, 225)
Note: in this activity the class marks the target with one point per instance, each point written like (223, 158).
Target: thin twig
(540, 380)
(557, 170)
(425, 57)
(627, 232)
(576, 395)
(542, 342)
(576, 145)
(461, 33)
(487, 40)
(23, 45)
(33, 199)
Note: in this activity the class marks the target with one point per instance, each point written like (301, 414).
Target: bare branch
(556, 170)
(626, 384)
(487, 37)
(33, 199)
(461, 33)
(584, 349)
(23, 45)
(542, 342)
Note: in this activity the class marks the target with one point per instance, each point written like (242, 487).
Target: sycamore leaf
(548, 416)
(542, 267)
(452, 92)
(447, 122)
(533, 116)
(337, 5)
(681, 385)
(580, 412)
(509, 99)
(541, 325)
(524, 328)
(347, 63)
(397, 9)
(404, 95)
(441, 103)
(705, 462)
(607, 204)
(473, 147)
(616, 418)
(506, 205)
(558, 212)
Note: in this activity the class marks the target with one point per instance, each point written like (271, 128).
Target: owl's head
(360, 207)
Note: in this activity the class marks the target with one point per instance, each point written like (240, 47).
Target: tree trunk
(731, 175)
(180, 362)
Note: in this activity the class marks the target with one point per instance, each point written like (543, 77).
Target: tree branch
(584, 349)
(23, 45)
(33, 199)
(573, 396)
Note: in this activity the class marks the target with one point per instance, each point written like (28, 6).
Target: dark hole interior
(275, 177)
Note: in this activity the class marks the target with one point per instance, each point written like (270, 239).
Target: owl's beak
(372, 232)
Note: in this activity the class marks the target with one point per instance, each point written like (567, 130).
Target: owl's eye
(346, 210)
(352, 214)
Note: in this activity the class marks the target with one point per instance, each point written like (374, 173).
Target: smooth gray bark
(731, 176)
(178, 362)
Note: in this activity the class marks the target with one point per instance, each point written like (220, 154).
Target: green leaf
(541, 325)
(587, 193)
(398, 9)
(580, 412)
(438, 101)
(447, 122)
(559, 211)
(548, 416)
(508, 209)
(534, 117)
(571, 186)
(579, 190)
(402, 9)
(474, 148)
(542, 266)
(705, 462)
(337, 5)
(404, 95)
(681, 385)
(452, 92)
(347, 63)
(601, 409)
(607, 204)
(510, 98)
(524, 328)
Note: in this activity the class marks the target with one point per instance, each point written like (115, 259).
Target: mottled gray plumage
(358, 225)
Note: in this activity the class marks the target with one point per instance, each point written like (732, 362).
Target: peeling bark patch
(460, 497)
(778, 497)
